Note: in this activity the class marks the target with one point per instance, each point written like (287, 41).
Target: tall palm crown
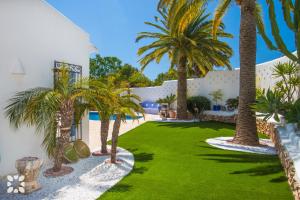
(51, 110)
(184, 31)
(184, 34)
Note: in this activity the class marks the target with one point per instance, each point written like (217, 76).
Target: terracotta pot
(172, 114)
(29, 167)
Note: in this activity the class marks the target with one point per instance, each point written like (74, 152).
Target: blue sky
(114, 24)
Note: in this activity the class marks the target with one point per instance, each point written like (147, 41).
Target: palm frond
(219, 14)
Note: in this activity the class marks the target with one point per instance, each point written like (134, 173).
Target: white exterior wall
(36, 34)
(227, 81)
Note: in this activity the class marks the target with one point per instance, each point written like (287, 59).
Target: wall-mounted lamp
(17, 68)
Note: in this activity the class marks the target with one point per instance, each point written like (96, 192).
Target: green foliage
(169, 75)
(270, 104)
(259, 92)
(293, 116)
(199, 102)
(289, 79)
(103, 66)
(82, 149)
(232, 103)
(128, 76)
(184, 31)
(169, 99)
(281, 100)
(70, 153)
(133, 76)
(217, 96)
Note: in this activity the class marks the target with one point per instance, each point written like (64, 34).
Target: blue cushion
(149, 104)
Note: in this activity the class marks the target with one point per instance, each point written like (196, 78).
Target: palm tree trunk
(58, 156)
(115, 135)
(246, 132)
(104, 134)
(66, 114)
(182, 89)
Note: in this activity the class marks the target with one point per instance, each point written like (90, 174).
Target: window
(76, 74)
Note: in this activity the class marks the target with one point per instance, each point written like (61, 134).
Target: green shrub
(199, 102)
(232, 103)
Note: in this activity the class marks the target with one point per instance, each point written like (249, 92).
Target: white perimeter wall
(36, 34)
(227, 81)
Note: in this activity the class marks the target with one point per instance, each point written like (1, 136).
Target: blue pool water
(95, 116)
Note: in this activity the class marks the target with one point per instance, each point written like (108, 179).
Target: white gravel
(222, 143)
(176, 120)
(90, 179)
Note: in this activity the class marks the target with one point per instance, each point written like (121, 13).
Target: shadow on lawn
(271, 164)
(202, 125)
(240, 158)
(141, 156)
(120, 188)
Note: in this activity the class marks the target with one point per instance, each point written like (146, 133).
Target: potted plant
(216, 97)
(169, 100)
(232, 103)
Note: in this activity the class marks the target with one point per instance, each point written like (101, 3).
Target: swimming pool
(95, 117)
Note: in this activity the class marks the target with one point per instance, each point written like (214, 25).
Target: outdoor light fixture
(17, 67)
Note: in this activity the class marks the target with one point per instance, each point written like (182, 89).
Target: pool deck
(94, 129)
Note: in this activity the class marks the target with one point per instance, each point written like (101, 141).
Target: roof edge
(61, 14)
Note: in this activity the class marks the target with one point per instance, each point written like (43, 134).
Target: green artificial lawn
(173, 161)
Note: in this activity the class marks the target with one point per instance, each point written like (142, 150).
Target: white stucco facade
(33, 36)
(227, 81)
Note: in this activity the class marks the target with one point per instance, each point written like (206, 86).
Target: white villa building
(33, 36)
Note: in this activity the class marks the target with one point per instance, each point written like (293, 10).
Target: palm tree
(184, 33)
(51, 110)
(104, 109)
(124, 105)
(246, 132)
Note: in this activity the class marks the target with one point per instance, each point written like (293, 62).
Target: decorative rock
(29, 167)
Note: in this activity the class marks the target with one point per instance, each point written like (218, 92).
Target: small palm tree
(184, 33)
(124, 105)
(169, 99)
(104, 109)
(51, 110)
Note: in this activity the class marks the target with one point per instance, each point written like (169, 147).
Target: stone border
(287, 162)
(224, 143)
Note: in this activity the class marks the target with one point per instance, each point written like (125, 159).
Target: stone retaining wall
(287, 163)
(219, 118)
